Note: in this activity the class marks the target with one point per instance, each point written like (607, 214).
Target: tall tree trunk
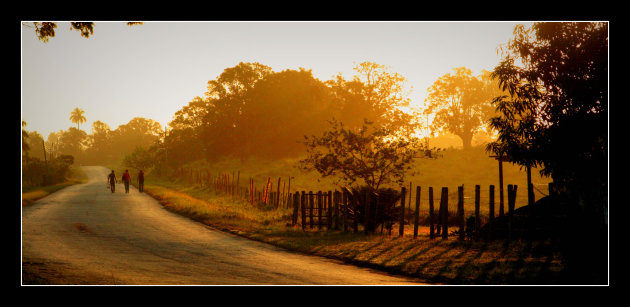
(466, 139)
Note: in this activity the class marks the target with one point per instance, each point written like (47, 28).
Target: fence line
(344, 210)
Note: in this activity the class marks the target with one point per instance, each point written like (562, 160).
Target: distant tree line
(102, 146)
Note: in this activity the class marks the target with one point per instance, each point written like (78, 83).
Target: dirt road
(84, 234)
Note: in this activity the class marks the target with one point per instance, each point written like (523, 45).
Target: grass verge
(32, 194)
(436, 261)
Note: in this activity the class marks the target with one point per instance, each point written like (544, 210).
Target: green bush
(43, 173)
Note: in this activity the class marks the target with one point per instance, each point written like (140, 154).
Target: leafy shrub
(382, 206)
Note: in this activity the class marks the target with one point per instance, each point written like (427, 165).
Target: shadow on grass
(434, 258)
(409, 246)
(419, 253)
(466, 267)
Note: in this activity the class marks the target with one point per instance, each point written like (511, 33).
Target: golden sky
(154, 69)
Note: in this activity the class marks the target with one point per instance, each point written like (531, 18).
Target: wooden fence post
(440, 213)
(460, 212)
(431, 215)
(320, 204)
(530, 187)
(289, 187)
(344, 210)
(366, 211)
(303, 206)
(284, 200)
(296, 204)
(401, 227)
(491, 212)
(477, 210)
(417, 213)
(330, 210)
(511, 206)
(509, 195)
(445, 214)
(336, 210)
(310, 208)
(501, 204)
(355, 219)
(277, 203)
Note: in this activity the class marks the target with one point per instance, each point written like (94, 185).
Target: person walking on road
(126, 178)
(141, 181)
(111, 178)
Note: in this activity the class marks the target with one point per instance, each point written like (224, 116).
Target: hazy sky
(154, 69)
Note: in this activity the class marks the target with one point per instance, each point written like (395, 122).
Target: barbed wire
(539, 191)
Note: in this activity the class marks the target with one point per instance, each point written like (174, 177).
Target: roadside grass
(436, 261)
(32, 194)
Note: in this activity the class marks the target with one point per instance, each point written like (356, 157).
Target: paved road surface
(84, 234)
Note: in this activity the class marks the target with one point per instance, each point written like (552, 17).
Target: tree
(138, 131)
(191, 115)
(370, 154)
(279, 110)
(461, 103)
(225, 102)
(46, 30)
(52, 144)
(73, 142)
(76, 116)
(99, 149)
(25, 147)
(183, 142)
(35, 143)
(375, 94)
(555, 112)
(139, 159)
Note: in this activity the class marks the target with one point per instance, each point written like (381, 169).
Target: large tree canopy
(375, 94)
(555, 112)
(461, 103)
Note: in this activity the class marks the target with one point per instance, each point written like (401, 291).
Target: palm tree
(77, 117)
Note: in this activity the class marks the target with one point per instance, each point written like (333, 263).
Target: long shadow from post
(518, 264)
(448, 263)
(484, 276)
(354, 255)
(416, 255)
(467, 265)
(539, 272)
(409, 246)
(432, 259)
(535, 272)
(376, 255)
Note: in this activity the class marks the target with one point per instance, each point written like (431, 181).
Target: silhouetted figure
(111, 178)
(141, 181)
(126, 178)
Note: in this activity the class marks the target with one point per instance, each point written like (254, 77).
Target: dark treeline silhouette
(250, 110)
(556, 117)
